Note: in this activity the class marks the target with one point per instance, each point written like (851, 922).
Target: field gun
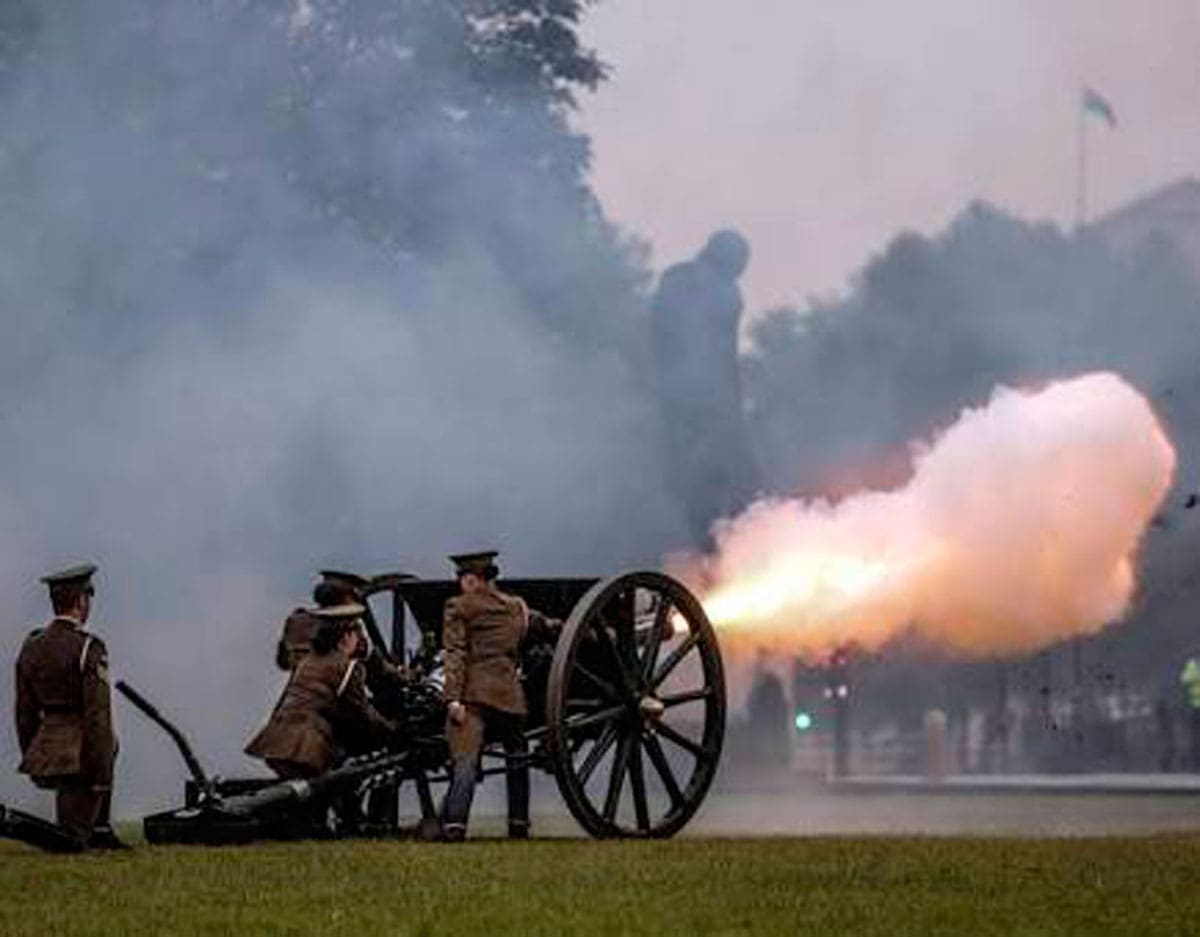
(626, 711)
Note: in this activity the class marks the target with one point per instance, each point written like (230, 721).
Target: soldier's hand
(457, 712)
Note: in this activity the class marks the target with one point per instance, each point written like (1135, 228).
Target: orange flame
(1019, 527)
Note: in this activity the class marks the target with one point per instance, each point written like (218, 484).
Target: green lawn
(783, 886)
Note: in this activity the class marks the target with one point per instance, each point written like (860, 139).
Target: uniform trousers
(81, 809)
(466, 743)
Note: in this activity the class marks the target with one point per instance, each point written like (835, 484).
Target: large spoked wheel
(635, 707)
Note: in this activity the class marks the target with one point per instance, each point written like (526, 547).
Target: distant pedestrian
(1190, 678)
(767, 713)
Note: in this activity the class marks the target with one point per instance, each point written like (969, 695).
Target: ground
(820, 885)
(754, 862)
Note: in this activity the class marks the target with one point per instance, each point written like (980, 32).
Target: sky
(821, 129)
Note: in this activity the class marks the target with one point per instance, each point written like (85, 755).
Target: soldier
(335, 588)
(63, 712)
(325, 712)
(482, 631)
(385, 679)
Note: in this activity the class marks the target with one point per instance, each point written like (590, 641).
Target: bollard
(936, 751)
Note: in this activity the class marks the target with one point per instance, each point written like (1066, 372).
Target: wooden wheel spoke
(601, 684)
(674, 658)
(599, 750)
(690, 696)
(681, 740)
(616, 780)
(654, 641)
(583, 721)
(663, 768)
(623, 667)
(637, 783)
(586, 704)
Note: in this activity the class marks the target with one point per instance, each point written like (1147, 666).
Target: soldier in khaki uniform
(482, 631)
(64, 714)
(325, 712)
(335, 588)
(384, 678)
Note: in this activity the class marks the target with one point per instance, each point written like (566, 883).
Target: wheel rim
(635, 707)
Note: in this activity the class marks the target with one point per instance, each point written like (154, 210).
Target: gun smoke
(291, 285)
(1019, 527)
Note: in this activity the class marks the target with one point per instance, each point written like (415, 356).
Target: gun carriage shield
(626, 700)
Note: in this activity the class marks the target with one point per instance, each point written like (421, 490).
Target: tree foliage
(437, 133)
(933, 324)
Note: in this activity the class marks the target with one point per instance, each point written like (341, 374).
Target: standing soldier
(63, 712)
(482, 630)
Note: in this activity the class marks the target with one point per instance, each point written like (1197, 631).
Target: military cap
(74, 575)
(337, 575)
(339, 612)
(482, 563)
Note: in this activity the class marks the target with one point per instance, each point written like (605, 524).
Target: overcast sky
(820, 128)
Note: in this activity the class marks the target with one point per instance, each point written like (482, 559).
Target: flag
(1095, 103)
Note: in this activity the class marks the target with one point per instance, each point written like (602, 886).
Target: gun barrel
(299, 791)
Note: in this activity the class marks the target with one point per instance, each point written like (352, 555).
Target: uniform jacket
(63, 711)
(324, 713)
(481, 638)
(296, 640)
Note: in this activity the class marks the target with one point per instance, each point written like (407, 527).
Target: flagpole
(1081, 192)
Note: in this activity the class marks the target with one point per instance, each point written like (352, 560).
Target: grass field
(891, 886)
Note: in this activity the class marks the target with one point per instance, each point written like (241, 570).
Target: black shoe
(105, 838)
(454, 833)
(518, 829)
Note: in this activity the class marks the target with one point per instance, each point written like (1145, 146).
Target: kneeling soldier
(325, 712)
(482, 631)
(63, 712)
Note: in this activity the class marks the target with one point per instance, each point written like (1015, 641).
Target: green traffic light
(803, 721)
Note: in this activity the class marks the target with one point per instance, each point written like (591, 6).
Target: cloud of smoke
(1019, 527)
(277, 295)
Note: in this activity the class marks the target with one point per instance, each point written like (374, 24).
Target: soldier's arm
(28, 709)
(99, 747)
(353, 699)
(380, 668)
(542, 628)
(283, 659)
(454, 652)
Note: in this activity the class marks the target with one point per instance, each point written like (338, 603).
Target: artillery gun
(626, 710)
